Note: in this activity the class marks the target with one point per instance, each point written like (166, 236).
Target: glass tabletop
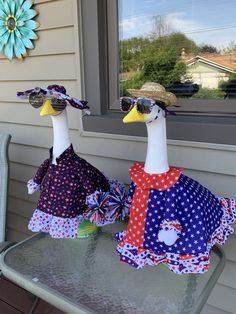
(85, 276)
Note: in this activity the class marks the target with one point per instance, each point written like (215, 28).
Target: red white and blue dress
(173, 201)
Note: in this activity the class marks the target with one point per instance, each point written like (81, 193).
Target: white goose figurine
(69, 186)
(173, 219)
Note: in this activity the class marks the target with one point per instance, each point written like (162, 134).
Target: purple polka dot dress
(64, 191)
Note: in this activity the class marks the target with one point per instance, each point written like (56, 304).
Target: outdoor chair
(13, 299)
(4, 179)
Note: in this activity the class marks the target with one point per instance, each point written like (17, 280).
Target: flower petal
(27, 33)
(4, 38)
(19, 12)
(2, 23)
(27, 5)
(19, 4)
(3, 15)
(8, 50)
(28, 43)
(18, 34)
(1, 44)
(12, 38)
(27, 15)
(6, 8)
(20, 23)
(13, 7)
(31, 24)
(19, 48)
(3, 30)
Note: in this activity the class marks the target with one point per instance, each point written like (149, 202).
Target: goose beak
(134, 116)
(47, 109)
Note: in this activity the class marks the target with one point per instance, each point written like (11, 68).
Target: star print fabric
(63, 191)
(173, 201)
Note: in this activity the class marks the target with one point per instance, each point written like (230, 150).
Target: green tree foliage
(136, 81)
(209, 93)
(164, 68)
(135, 51)
(132, 52)
(154, 59)
(176, 42)
(208, 49)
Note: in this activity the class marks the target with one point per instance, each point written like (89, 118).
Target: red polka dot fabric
(160, 182)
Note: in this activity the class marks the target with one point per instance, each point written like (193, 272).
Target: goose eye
(159, 110)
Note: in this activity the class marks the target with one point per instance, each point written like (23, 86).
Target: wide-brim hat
(154, 91)
(56, 91)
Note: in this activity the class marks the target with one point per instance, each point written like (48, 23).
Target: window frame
(100, 81)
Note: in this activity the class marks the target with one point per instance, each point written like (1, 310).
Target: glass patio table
(85, 276)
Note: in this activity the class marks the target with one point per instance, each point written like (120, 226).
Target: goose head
(52, 100)
(156, 113)
(150, 103)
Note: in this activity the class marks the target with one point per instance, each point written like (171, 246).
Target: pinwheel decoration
(107, 207)
(17, 27)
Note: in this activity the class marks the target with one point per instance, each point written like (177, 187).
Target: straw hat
(154, 91)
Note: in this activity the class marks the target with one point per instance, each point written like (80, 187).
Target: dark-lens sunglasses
(143, 105)
(37, 100)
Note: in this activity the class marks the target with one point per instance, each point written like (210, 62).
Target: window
(120, 38)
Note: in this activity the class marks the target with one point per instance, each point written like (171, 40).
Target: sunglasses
(37, 100)
(143, 105)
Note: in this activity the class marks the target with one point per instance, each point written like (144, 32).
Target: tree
(135, 51)
(164, 68)
(208, 49)
(231, 47)
(209, 93)
(156, 60)
(177, 41)
(131, 53)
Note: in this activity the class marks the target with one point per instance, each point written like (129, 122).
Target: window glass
(187, 46)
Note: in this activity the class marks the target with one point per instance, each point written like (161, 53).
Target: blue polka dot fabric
(177, 225)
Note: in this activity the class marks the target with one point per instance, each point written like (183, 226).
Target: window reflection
(187, 46)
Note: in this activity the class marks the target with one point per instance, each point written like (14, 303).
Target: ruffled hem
(57, 227)
(180, 263)
(32, 186)
(105, 208)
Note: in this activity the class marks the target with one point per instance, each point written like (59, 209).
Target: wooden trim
(43, 1)
(210, 129)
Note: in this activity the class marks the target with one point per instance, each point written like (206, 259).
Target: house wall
(56, 59)
(206, 75)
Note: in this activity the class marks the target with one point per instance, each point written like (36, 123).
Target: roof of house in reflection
(226, 62)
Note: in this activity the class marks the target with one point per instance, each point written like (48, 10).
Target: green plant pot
(86, 229)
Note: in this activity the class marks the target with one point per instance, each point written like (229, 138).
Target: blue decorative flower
(16, 27)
